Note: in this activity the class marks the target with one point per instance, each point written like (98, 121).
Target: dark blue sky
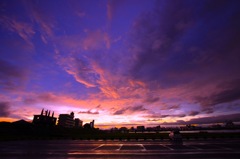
(121, 62)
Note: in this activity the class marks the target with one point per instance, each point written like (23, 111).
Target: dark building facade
(140, 128)
(89, 125)
(66, 120)
(44, 119)
(78, 122)
(92, 124)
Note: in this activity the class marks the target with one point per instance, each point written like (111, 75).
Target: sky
(121, 62)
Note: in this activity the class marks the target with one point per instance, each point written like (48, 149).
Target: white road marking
(120, 146)
(143, 148)
(166, 147)
(98, 146)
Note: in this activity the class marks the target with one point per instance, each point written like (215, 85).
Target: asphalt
(71, 149)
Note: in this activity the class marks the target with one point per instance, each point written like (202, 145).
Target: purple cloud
(82, 71)
(170, 107)
(194, 113)
(208, 120)
(216, 119)
(130, 110)
(229, 92)
(88, 112)
(11, 76)
(41, 98)
(4, 109)
(173, 50)
(151, 99)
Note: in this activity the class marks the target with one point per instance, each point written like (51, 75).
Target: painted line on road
(143, 148)
(166, 147)
(120, 146)
(98, 147)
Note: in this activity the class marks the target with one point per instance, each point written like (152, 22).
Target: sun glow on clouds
(166, 62)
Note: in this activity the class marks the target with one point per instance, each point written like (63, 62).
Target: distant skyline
(121, 62)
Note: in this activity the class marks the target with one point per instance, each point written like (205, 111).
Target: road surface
(71, 149)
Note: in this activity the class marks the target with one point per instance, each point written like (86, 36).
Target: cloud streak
(4, 109)
(23, 29)
(12, 77)
(129, 110)
(89, 112)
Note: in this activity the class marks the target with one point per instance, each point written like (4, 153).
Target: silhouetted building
(140, 128)
(44, 119)
(123, 130)
(229, 124)
(66, 120)
(89, 125)
(78, 122)
(92, 124)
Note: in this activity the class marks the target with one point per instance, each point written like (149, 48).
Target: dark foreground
(195, 149)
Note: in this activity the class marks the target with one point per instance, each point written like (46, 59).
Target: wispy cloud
(41, 97)
(224, 96)
(88, 112)
(215, 119)
(40, 16)
(23, 29)
(81, 71)
(4, 109)
(12, 77)
(95, 40)
(129, 110)
(112, 6)
(151, 99)
(194, 113)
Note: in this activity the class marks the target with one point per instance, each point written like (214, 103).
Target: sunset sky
(121, 62)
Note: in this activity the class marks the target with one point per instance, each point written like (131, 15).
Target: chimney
(53, 114)
(49, 113)
(42, 112)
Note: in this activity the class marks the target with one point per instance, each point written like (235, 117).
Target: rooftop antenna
(42, 112)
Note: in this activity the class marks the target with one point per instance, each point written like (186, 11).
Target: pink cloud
(92, 40)
(112, 6)
(42, 18)
(80, 70)
(23, 29)
(79, 78)
(95, 40)
(109, 10)
(115, 85)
